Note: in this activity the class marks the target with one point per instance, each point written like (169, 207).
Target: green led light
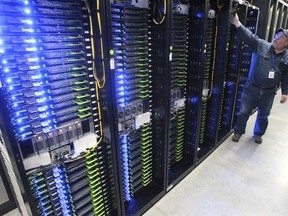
(80, 82)
(79, 68)
(80, 88)
(78, 74)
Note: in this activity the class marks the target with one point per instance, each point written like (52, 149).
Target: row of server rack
(106, 105)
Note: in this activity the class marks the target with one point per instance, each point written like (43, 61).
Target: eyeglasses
(280, 35)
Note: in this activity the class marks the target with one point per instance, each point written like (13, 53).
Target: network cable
(162, 15)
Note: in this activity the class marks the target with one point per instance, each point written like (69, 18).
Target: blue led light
(27, 21)
(6, 70)
(121, 93)
(9, 80)
(27, 11)
(200, 15)
(62, 189)
(121, 88)
(4, 61)
(31, 49)
(194, 100)
(34, 60)
(33, 41)
(125, 171)
(120, 82)
(121, 76)
(26, 2)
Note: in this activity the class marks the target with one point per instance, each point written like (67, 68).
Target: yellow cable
(164, 14)
(101, 46)
(214, 58)
(100, 83)
(97, 81)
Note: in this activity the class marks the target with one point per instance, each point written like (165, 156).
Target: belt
(263, 88)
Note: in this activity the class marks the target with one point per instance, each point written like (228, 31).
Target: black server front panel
(195, 76)
(180, 158)
(202, 51)
(208, 54)
(251, 23)
(233, 71)
(139, 154)
(216, 103)
(79, 187)
(50, 107)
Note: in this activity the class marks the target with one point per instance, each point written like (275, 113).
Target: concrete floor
(237, 179)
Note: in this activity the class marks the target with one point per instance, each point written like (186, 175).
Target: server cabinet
(219, 69)
(266, 8)
(138, 118)
(50, 110)
(207, 49)
(180, 154)
(251, 23)
(169, 53)
(197, 70)
(233, 71)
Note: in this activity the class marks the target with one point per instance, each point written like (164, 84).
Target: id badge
(271, 74)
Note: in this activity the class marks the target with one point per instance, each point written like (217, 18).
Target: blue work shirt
(264, 59)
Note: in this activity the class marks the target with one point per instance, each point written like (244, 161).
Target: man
(269, 67)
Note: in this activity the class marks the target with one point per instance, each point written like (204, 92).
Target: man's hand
(235, 20)
(283, 99)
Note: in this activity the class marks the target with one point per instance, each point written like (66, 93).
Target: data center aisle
(237, 179)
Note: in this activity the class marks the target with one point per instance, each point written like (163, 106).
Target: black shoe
(236, 137)
(257, 139)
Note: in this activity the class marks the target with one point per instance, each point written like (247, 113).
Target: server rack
(251, 23)
(138, 118)
(205, 90)
(196, 56)
(216, 103)
(233, 71)
(50, 108)
(180, 155)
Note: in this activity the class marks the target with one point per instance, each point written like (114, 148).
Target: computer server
(208, 75)
(201, 52)
(233, 71)
(196, 46)
(178, 82)
(50, 105)
(131, 47)
(251, 23)
(76, 187)
(131, 76)
(206, 97)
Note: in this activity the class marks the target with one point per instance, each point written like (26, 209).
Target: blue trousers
(253, 97)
